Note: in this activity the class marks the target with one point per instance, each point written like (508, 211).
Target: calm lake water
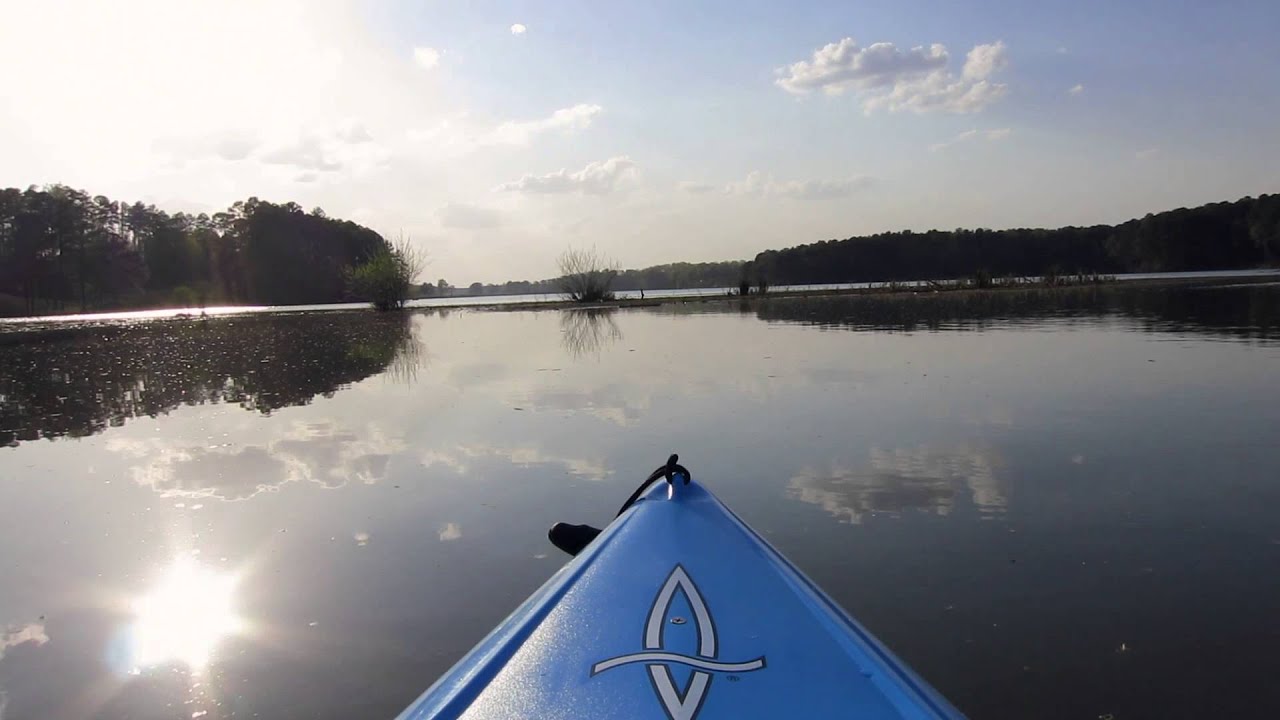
(1052, 504)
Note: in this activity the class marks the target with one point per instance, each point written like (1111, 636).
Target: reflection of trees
(1245, 311)
(587, 332)
(409, 356)
(79, 382)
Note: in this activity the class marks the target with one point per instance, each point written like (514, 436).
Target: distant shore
(887, 289)
(55, 325)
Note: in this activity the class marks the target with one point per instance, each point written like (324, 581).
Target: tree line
(1243, 310)
(63, 249)
(1217, 236)
(670, 275)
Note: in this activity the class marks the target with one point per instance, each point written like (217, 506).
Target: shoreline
(18, 330)
(884, 291)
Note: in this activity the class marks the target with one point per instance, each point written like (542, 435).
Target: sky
(496, 134)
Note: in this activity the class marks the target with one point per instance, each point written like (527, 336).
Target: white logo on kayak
(680, 705)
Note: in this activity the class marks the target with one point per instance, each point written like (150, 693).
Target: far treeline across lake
(62, 249)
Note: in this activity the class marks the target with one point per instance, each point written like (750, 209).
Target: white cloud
(764, 185)
(597, 178)
(426, 58)
(459, 134)
(234, 146)
(991, 136)
(450, 531)
(965, 136)
(307, 152)
(983, 61)
(231, 145)
(694, 187)
(821, 189)
(348, 146)
(1076, 89)
(518, 29)
(578, 117)
(1146, 153)
(468, 217)
(837, 67)
(755, 183)
(353, 133)
(886, 77)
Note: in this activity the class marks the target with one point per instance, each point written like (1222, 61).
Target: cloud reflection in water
(920, 478)
(460, 459)
(317, 452)
(15, 635)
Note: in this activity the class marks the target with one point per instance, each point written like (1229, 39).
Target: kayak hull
(680, 610)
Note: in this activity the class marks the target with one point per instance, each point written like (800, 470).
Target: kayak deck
(679, 610)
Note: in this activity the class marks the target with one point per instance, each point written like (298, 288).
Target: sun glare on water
(184, 616)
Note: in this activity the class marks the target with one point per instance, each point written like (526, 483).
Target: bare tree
(586, 275)
(413, 259)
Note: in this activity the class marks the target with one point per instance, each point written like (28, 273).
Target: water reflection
(21, 634)
(184, 616)
(1246, 311)
(79, 382)
(316, 452)
(459, 459)
(379, 529)
(618, 403)
(409, 355)
(584, 333)
(920, 478)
